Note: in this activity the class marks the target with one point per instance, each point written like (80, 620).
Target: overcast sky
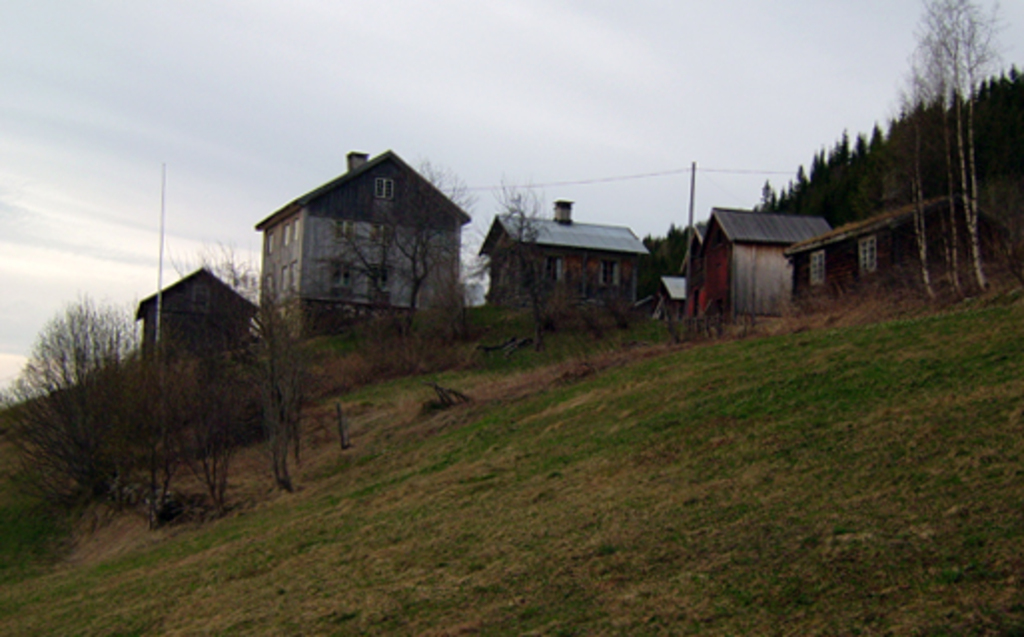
(251, 104)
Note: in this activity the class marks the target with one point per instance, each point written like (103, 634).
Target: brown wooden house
(585, 261)
(739, 267)
(200, 314)
(882, 250)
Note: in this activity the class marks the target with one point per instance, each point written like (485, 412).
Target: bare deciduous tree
(220, 401)
(281, 374)
(957, 46)
(517, 257)
(915, 104)
(223, 261)
(66, 401)
(412, 247)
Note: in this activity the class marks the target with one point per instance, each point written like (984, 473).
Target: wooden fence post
(342, 427)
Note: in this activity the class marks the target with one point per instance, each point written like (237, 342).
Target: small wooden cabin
(671, 298)
(883, 250)
(200, 314)
(739, 267)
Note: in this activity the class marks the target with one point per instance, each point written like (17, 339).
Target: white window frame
(867, 253)
(379, 276)
(341, 277)
(604, 279)
(381, 233)
(345, 229)
(555, 268)
(384, 188)
(818, 267)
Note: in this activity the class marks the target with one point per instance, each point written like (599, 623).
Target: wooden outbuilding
(739, 266)
(671, 298)
(200, 314)
(883, 250)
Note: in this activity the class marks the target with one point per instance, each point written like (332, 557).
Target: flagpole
(160, 266)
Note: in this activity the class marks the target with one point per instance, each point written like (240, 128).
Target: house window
(381, 233)
(817, 267)
(295, 230)
(379, 277)
(270, 242)
(291, 275)
(341, 278)
(384, 188)
(344, 229)
(554, 268)
(609, 272)
(285, 237)
(867, 250)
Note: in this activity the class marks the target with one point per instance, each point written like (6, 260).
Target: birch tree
(957, 41)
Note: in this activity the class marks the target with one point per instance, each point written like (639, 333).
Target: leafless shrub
(68, 402)
(282, 377)
(1004, 201)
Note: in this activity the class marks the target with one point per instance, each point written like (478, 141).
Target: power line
(662, 173)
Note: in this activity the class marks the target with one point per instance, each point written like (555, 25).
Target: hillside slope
(856, 481)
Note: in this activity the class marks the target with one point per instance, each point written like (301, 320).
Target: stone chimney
(563, 212)
(357, 159)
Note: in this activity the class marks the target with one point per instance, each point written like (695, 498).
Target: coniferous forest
(858, 178)
(874, 172)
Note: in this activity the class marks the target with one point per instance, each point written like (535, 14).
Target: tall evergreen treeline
(857, 179)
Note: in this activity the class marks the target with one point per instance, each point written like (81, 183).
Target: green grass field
(857, 481)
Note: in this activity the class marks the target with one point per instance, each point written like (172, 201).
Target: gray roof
(748, 226)
(338, 182)
(583, 236)
(676, 286)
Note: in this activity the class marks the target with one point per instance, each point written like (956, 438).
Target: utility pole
(689, 246)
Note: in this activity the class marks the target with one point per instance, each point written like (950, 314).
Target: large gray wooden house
(378, 237)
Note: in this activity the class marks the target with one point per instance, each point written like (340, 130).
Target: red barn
(739, 267)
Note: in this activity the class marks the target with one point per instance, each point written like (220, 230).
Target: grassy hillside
(838, 482)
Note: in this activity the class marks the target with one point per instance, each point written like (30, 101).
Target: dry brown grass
(618, 493)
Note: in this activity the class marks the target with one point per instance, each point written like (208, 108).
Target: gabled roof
(340, 181)
(675, 286)
(699, 230)
(581, 236)
(747, 226)
(201, 273)
(892, 218)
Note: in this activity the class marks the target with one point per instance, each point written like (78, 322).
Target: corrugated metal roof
(676, 286)
(762, 227)
(584, 236)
